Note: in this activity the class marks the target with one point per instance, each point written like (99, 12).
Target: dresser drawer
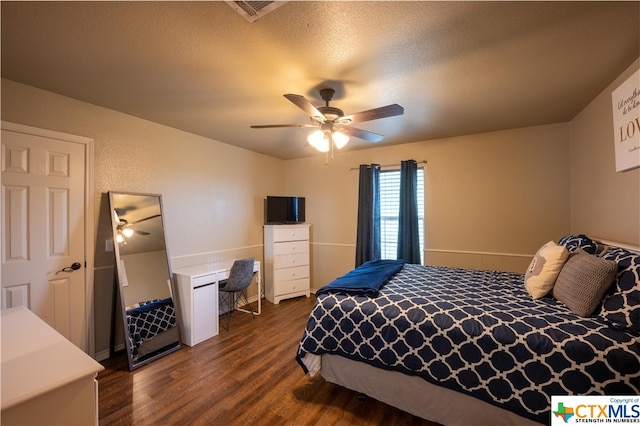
(293, 233)
(291, 260)
(291, 273)
(290, 248)
(292, 286)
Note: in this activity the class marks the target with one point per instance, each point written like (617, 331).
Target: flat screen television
(282, 210)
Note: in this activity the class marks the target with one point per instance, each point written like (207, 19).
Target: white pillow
(544, 269)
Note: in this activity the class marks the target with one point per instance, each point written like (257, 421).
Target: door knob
(74, 267)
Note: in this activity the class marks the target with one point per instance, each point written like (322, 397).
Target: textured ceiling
(456, 67)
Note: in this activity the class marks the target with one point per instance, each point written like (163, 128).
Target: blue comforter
(476, 332)
(365, 280)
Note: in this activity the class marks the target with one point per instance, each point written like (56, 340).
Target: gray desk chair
(236, 285)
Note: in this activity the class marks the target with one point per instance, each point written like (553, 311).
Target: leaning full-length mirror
(144, 277)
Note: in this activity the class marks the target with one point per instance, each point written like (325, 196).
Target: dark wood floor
(247, 375)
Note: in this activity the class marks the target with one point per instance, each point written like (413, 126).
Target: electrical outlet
(108, 245)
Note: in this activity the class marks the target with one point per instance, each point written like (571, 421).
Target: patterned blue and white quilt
(148, 320)
(476, 332)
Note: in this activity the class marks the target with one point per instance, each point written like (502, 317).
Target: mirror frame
(172, 346)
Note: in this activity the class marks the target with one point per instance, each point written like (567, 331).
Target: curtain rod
(389, 165)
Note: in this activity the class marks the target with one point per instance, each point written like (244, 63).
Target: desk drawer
(291, 260)
(293, 233)
(291, 273)
(292, 286)
(205, 279)
(290, 248)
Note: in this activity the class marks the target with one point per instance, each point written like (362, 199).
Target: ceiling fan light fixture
(340, 139)
(319, 140)
(127, 232)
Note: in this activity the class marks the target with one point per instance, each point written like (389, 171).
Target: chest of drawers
(286, 258)
(46, 379)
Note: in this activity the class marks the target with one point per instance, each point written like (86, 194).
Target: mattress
(416, 396)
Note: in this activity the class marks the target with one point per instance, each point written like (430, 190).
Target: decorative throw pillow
(621, 308)
(583, 281)
(544, 269)
(573, 242)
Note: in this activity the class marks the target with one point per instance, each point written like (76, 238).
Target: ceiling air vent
(252, 10)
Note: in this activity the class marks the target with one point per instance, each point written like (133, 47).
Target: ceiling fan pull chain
(331, 143)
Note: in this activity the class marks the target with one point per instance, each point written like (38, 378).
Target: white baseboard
(102, 355)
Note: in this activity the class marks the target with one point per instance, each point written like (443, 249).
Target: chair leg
(227, 303)
(243, 295)
(231, 304)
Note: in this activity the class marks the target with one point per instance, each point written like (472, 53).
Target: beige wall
(212, 192)
(491, 199)
(604, 203)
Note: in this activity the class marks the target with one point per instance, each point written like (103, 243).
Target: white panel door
(43, 230)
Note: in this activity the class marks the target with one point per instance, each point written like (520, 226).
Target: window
(389, 209)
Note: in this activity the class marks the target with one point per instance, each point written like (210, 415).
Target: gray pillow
(583, 282)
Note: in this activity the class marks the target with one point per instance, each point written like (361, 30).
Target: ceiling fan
(335, 127)
(125, 228)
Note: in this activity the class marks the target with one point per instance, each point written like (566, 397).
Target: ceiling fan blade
(268, 126)
(302, 103)
(145, 219)
(362, 134)
(373, 114)
(142, 232)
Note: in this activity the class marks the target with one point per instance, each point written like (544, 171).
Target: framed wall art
(626, 123)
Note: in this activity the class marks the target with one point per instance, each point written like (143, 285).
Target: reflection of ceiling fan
(334, 126)
(125, 229)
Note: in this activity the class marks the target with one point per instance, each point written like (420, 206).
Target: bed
(460, 346)
(152, 326)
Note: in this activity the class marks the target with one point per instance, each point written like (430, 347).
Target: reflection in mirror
(144, 277)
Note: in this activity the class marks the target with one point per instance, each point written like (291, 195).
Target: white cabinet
(198, 302)
(46, 379)
(286, 258)
(205, 316)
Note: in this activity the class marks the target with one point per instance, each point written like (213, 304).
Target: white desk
(46, 379)
(197, 288)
